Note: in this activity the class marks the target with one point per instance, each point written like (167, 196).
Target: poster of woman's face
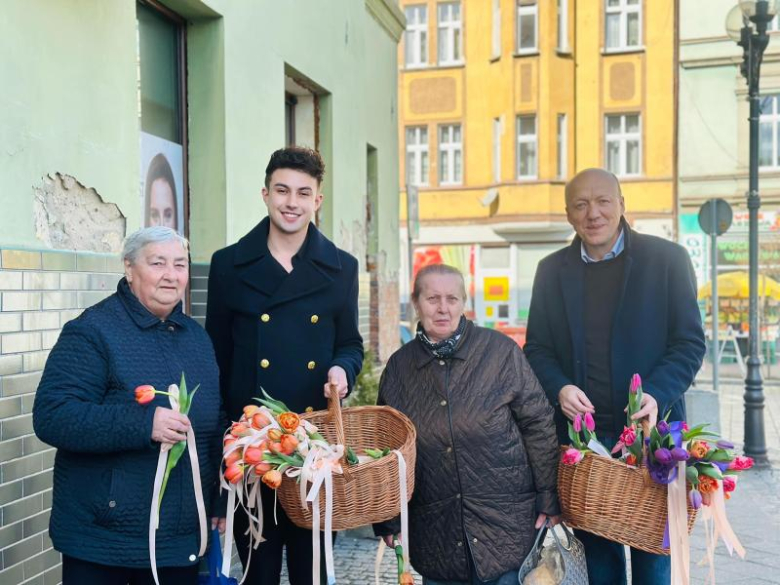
(162, 188)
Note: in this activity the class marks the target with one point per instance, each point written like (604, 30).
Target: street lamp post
(753, 15)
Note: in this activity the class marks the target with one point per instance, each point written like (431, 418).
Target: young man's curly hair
(298, 158)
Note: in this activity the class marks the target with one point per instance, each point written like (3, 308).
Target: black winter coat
(486, 454)
(656, 329)
(106, 461)
(280, 331)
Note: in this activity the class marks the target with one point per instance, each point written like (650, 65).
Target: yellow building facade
(502, 101)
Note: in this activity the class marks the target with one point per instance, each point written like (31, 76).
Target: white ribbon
(404, 508)
(326, 459)
(677, 518)
(162, 463)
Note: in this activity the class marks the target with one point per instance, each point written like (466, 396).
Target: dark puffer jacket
(105, 464)
(486, 454)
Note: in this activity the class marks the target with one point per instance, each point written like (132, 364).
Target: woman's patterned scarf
(446, 347)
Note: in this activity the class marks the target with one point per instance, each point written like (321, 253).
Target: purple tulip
(663, 427)
(636, 384)
(680, 454)
(695, 498)
(578, 423)
(724, 444)
(663, 456)
(590, 424)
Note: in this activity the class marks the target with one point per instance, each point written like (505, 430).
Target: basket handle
(334, 414)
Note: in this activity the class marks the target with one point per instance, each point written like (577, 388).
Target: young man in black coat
(282, 313)
(613, 303)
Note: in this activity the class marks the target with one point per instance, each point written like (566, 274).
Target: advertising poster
(162, 183)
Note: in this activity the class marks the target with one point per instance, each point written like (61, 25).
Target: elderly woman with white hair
(108, 444)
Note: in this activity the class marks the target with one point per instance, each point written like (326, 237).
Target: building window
(769, 126)
(562, 144)
(526, 147)
(527, 26)
(163, 117)
(450, 34)
(450, 155)
(497, 150)
(290, 102)
(623, 24)
(417, 155)
(496, 39)
(623, 144)
(563, 26)
(416, 36)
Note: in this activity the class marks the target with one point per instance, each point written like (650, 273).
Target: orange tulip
(234, 473)
(289, 444)
(238, 429)
(232, 457)
(289, 421)
(253, 455)
(275, 447)
(406, 579)
(262, 468)
(272, 478)
(144, 394)
(274, 434)
(250, 410)
(260, 420)
(699, 449)
(229, 440)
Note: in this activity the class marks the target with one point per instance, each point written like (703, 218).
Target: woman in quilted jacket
(108, 444)
(487, 454)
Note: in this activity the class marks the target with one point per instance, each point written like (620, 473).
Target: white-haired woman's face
(159, 276)
(440, 305)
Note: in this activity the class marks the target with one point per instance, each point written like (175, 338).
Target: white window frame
(562, 143)
(773, 25)
(497, 132)
(623, 138)
(526, 9)
(415, 149)
(447, 25)
(623, 9)
(416, 36)
(771, 118)
(563, 26)
(496, 31)
(527, 139)
(448, 146)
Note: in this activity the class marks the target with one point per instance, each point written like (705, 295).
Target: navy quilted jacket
(105, 465)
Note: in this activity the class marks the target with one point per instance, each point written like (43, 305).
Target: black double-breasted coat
(281, 331)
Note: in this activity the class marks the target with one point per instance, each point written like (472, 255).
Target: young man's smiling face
(292, 197)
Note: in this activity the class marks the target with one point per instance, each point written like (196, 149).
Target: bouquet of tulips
(708, 458)
(269, 440)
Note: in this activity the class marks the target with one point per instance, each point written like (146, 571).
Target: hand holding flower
(169, 426)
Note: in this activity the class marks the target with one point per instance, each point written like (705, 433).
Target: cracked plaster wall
(70, 216)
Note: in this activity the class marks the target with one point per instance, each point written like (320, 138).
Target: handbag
(215, 577)
(572, 554)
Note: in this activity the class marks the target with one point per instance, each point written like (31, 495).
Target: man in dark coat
(282, 313)
(612, 304)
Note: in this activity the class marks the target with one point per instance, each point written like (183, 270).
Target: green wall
(69, 105)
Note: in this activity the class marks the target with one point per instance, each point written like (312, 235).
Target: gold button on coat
(264, 363)
(314, 318)
(443, 403)
(311, 365)
(265, 317)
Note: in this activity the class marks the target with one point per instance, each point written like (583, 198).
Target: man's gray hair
(136, 241)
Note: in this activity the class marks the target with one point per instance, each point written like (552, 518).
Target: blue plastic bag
(215, 577)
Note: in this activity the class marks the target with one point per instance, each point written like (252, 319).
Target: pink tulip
(590, 424)
(729, 483)
(636, 384)
(628, 436)
(578, 423)
(572, 456)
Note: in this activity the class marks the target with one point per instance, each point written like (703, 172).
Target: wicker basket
(621, 503)
(369, 492)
